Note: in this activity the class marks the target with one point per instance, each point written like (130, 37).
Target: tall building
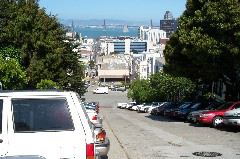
(168, 24)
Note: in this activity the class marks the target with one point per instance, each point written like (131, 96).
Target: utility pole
(0, 85)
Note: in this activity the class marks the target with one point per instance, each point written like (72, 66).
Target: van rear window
(41, 115)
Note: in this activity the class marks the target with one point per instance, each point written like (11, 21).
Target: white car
(130, 105)
(232, 117)
(154, 105)
(101, 90)
(94, 117)
(119, 105)
(141, 108)
(49, 124)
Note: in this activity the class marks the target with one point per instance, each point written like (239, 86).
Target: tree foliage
(47, 84)
(39, 39)
(206, 45)
(162, 87)
(140, 91)
(12, 75)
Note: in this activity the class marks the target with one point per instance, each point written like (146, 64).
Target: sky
(134, 10)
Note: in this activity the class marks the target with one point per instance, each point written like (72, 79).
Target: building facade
(168, 24)
(126, 46)
(152, 35)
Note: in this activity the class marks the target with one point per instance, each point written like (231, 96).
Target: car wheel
(217, 121)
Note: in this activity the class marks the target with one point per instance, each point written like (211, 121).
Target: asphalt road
(142, 136)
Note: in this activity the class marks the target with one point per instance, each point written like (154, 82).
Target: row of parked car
(213, 113)
(102, 143)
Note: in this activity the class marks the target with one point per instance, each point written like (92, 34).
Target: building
(168, 24)
(146, 64)
(125, 46)
(152, 35)
(113, 68)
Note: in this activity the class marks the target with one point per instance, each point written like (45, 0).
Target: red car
(215, 117)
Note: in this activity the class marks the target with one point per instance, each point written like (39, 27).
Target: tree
(169, 88)
(12, 76)
(47, 84)
(205, 47)
(39, 38)
(140, 91)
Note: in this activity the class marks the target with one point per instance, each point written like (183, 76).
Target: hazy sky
(113, 9)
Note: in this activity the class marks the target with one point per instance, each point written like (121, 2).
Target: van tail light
(90, 151)
(101, 136)
(94, 117)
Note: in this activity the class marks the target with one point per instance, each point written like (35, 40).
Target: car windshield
(195, 106)
(184, 105)
(225, 106)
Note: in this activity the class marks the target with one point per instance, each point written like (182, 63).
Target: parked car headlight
(205, 115)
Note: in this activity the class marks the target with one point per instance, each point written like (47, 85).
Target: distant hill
(87, 22)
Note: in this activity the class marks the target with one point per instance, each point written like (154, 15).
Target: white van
(44, 125)
(101, 90)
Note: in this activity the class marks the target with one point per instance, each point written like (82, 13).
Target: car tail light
(101, 136)
(90, 151)
(94, 117)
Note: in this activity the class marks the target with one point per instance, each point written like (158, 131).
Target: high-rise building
(168, 24)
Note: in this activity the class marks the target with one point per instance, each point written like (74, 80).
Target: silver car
(102, 143)
(232, 117)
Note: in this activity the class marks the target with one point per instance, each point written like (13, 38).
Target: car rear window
(1, 107)
(41, 115)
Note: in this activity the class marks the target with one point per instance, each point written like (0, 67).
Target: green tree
(12, 76)
(47, 84)
(169, 88)
(205, 47)
(140, 91)
(40, 40)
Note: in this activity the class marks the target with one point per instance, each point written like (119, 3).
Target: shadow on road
(161, 118)
(104, 157)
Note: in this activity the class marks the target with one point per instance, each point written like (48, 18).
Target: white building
(152, 35)
(146, 64)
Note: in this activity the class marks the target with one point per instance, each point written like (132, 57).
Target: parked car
(184, 112)
(130, 105)
(135, 107)
(232, 117)
(153, 105)
(215, 117)
(94, 117)
(102, 143)
(101, 90)
(141, 108)
(192, 116)
(172, 113)
(119, 105)
(160, 110)
(50, 124)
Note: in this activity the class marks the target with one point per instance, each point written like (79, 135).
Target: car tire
(217, 121)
